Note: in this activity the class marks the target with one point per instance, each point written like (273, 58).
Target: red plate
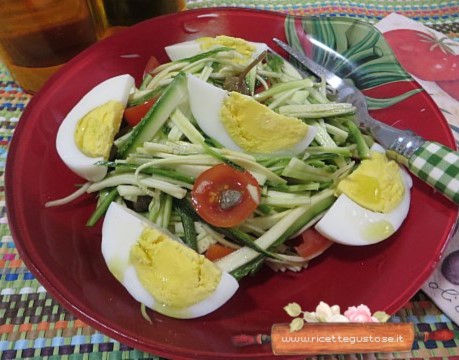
(65, 255)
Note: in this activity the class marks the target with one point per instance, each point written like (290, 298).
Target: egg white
(120, 232)
(116, 88)
(191, 48)
(348, 223)
(206, 102)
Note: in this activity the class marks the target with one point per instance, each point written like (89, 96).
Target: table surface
(34, 325)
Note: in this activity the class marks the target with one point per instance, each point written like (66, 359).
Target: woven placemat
(440, 15)
(34, 326)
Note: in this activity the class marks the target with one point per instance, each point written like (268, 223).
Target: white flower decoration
(327, 313)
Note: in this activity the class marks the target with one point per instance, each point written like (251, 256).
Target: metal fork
(432, 162)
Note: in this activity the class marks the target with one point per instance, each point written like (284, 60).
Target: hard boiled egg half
(158, 270)
(87, 132)
(245, 51)
(372, 202)
(240, 123)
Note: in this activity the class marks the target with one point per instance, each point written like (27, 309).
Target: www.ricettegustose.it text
(342, 339)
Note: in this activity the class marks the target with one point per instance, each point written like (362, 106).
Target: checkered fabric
(439, 167)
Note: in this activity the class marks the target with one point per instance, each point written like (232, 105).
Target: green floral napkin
(437, 71)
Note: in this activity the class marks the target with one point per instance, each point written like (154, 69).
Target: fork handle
(438, 166)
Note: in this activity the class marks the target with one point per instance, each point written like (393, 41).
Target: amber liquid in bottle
(39, 36)
(114, 15)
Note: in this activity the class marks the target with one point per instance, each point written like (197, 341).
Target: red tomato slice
(212, 187)
(312, 244)
(134, 114)
(152, 64)
(260, 88)
(217, 251)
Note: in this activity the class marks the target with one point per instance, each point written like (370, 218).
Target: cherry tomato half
(311, 244)
(221, 195)
(134, 114)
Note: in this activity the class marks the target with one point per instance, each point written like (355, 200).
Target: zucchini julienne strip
(175, 94)
(245, 260)
(107, 196)
(189, 237)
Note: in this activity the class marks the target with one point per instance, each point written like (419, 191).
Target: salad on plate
(224, 160)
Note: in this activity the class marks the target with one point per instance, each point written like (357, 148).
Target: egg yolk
(175, 275)
(96, 130)
(244, 48)
(256, 128)
(376, 184)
